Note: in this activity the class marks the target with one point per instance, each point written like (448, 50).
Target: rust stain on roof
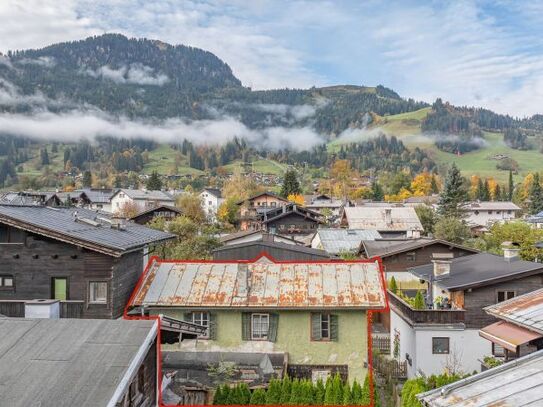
(268, 285)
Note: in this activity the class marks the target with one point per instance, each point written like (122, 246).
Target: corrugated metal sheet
(335, 241)
(525, 310)
(401, 219)
(514, 384)
(269, 285)
(508, 335)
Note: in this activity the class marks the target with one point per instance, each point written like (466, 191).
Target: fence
(381, 343)
(390, 367)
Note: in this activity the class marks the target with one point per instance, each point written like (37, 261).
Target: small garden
(418, 385)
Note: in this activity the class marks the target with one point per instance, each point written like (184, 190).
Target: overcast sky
(483, 53)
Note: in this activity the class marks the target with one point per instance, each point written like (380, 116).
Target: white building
(140, 199)
(445, 335)
(486, 213)
(211, 200)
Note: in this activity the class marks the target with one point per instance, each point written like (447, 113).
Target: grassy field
(162, 160)
(264, 166)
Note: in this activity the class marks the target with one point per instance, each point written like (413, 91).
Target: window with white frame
(98, 292)
(7, 282)
(201, 318)
(260, 325)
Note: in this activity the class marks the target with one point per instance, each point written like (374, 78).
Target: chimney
(388, 216)
(442, 264)
(49, 309)
(510, 251)
(242, 278)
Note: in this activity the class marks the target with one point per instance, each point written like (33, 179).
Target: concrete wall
(293, 337)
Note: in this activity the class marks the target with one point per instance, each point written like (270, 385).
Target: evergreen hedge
(298, 392)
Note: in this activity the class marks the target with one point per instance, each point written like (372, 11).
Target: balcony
(425, 316)
(16, 309)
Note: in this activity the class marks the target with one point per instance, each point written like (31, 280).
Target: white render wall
(465, 344)
(483, 218)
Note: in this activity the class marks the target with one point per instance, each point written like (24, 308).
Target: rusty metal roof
(525, 310)
(513, 384)
(263, 283)
(508, 335)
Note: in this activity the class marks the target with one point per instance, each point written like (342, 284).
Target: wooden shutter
(316, 334)
(334, 328)
(246, 326)
(274, 323)
(212, 326)
(187, 316)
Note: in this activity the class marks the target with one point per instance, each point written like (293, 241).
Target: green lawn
(162, 160)
(263, 165)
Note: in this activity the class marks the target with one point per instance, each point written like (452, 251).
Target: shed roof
(335, 241)
(263, 283)
(86, 228)
(479, 270)
(525, 310)
(67, 362)
(401, 218)
(513, 384)
(508, 335)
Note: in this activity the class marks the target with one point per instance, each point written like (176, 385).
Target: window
(505, 295)
(7, 283)
(476, 212)
(324, 327)
(98, 292)
(209, 203)
(411, 256)
(121, 195)
(440, 346)
(490, 212)
(273, 204)
(260, 324)
(201, 318)
(59, 288)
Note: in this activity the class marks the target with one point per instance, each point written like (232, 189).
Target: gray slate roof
(66, 362)
(336, 241)
(479, 270)
(513, 384)
(525, 310)
(60, 224)
(97, 196)
(388, 247)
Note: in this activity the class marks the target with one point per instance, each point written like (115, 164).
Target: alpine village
(144, 269)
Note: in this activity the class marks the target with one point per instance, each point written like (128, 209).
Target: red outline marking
(369, 316)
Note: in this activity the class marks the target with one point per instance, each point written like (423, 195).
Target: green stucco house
(314, 314)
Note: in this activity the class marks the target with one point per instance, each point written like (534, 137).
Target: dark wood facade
(420, 256)
(35, 261)
(164, 211)
(292, 223)
(476, 299)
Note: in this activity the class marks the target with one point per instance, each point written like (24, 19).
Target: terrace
(425, 316)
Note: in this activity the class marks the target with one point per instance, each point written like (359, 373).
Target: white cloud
(80, 125)
(11, 96)
(135, 73)
(47, 62)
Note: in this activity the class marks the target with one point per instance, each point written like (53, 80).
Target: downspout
(134, 366)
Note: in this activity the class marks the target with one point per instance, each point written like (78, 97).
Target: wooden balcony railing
(426, 316)
(16, 309)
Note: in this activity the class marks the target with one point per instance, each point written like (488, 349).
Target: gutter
(132, 369)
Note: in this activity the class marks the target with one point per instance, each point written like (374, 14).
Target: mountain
(114, 78)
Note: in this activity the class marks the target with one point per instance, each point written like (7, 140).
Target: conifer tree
(154, 183)
(285, 390)
(536, 195)
(419, 301)
(485, 195)
(453, 194)
(356, 394)
(319, 393)
(434, 189)
(87, 179)
(258, 398)
(347, 395)
(393, 286)
(273, 395)
(511, 186)
(244, 393)
(218, 396)
(377, 193)
(291, 185)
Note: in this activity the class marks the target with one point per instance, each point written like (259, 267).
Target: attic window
(7, 282)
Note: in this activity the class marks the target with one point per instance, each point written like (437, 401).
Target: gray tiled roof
(479, 270)
(146, 195)
(387, 247)
(97, 195)
(66, 362)
(335, 241)
(60, 223)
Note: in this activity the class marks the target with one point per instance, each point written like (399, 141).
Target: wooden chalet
(87, 261)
